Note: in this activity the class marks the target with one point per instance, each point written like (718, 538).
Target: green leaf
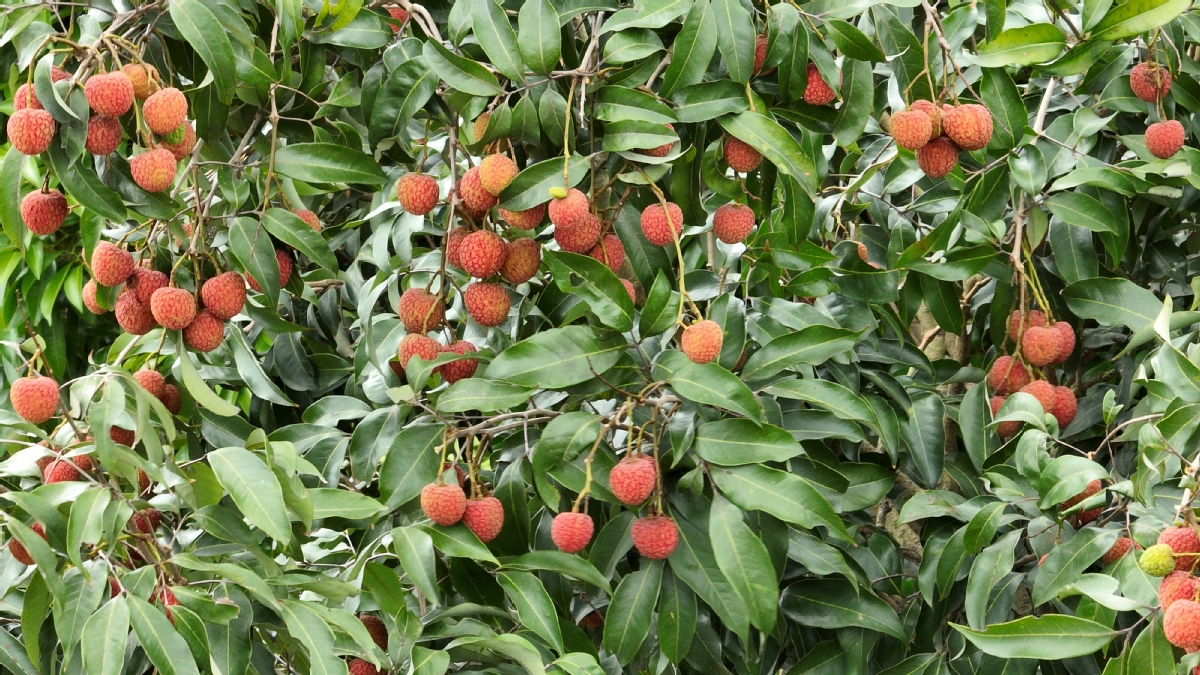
(1051, 637)
(925, 437)
(646, 14)
(331, 503)
(410, 464)
(461, 73)
(735, 39)
(1152, 652)
(1113, 302)
(693, 561)
(10, 209)
(495, 34)
(627, 621)
(988, 570)
(852, 42)
(12, 656)
(676, 617)
(79, 600)
(532, 186)
(711, 384)
(825, 394)
(858, 91)
(533, 605)
(835, 603)
(1003, 99)
(1136, 17)
(593, 281)
(414, 548)
(744, 561)
(199, 26)
(564, 438)
(538, 35)
(310, 629)
(166, 649)
(812, 345)
(787, 496)
(774, 142)
(86, 523)
(974, 415)
(692, 50)
(84, 185)
(557, 358)
(254, 489)
(459, 542)
(288, 228)
(252, 247)
(327, 163)
(1024, 46)
(731, 442)
(427, 661)
(562, 563)
(1083, 210)
(614, 104)
(1066, 562)
(199, 389)
(476, 393)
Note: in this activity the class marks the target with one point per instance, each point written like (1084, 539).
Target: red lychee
(580, 237)
(454, 239)
(418, 345)
(1119, 548)
(25, 97)
(173, 308)
(817, 92)
(1181, 625)
(165, 110)
(760, 52)
(63, 470)
(443, 504)
(660, 151)
(484, 517)
(154, 170)
(701, 341)
(472, 192)
(496, 171)
(89, 297)
(1065, 406)
(1043, 391)
(456, 370)
(732, 222)
(18, 549)
(30, 131)
(570, 209)
(521, 261)
(655, 226)
(1007, 376)
(481, 254)
(609, 251)
(1164, 139)
(1017, 327)
(969, 126)
(204, 333)
(655, 536)
(171, 399)
(487, 304)
(152, 381)
(309, 219)
(142, 77)
(103, 135)
(111, 264)
(1149, 81)
(122, 436)
(938, 157)
(34, 399)
(633, 479)
(44, 211)
(224, 295)
(571, 531)
(133, 317)
(1066, 340)
(284, 260)
(399, 14)
(911, 129)
(630, 290)
(1182, 540)
(1093, 488)
(375, 629)
(147, 521)
(935, 115)
(1174, 586)
(417, 193)
(420, 311)
(741, 156)
(109, 94)
(1005, 429)
(524, 220)
(1040, 345)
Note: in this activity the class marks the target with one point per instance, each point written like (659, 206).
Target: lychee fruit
(935, 115)
(376, 630)
(701, 341)
(1119, 548)
(454, 239)
(480, 126)
(89, 297)
(204, 333)
(142, 77)
(399, 14)
(173, 308)
(609, 251)
(147, 521)
(152, 381)
(633, 479)
(224, 295)
(1005, 429)
(817, 92)
(1040, 345)
(938, 157)
(165, 110)
(524, 220)
(760, 52)
(1043, 391)
(1174, 586)
(570, 209)
(360, 666)
(911, 129)
(481, 254)
(1065, 406)
(44, 211)
(1149, 81)
(1066, 340)
(1093, 488)
(444, 504)
(1164, 139)
(284, 260)
(154, 170)
(1007, 376)
(571, 531)
(415, 344)
(417, 193)
(463, 368)
(732, 222)
(1182, 540)
(484, 517)
(496, 171)
(34, 399)
(630, 290)
(122, 436)
(65, 471)
(741, 156)
(171, 399)
(111, 265)
(969, 126)
(420, 311)
(655, 537)
(144, 283)
(133, 317)
(109, 94)
(521, 261)
(660, 151)
(103, 135)
(1158, 561)
(25, 97)
(487, 304)
(30, 131)
(184, 146)
(309, 219)
(580, 237)
(18, 549)
(1017, 327)
(655, 225)
(473, 193)
(1181, 625)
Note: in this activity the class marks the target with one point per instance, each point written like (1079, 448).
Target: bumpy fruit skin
(421, 346)
(417, 193)
(481, 254)
(133, 317)
(1181, 625)
(580, 237)
(1182, 540)
(740, 156)
(480, 126)
(284, 260)
(655, 226)
(103, 135)
(360, 666)
(571, 531)
(934, 113)
(152, 381)
(569, 210)
(204, 333)
(1017, 327)
(89, 297)
(701, 341)
(496, 172)
(122, 436)
(1157, 561)
(18, 549)
(630, 290)
(34, 399)
(524, 220)
(420, 311)
(911, 129)
(1005, 429)
(938, 157)
(463, 368)
(487, 304)
(969, 126)
(142, 78)
(25, 97)
(817, 92)
(184, 146)
(633, 479)
(1040, 345)
(147, 521)
(144, 283)
(1149, 81)
(30, 130)
(1164, 139)
(109, 94)
(521, 261)
(171, 399)
(760, 52)
(732, 222)
(472, 192)
(1065, 406)
(609, 251)
(165, 110)
(443, 504)
(154, 171)
(111, 265)
(1043, 391)
(1007, 376)
(660, 151)
(399, 14)
(224, 295)
(173, 308)
(454, 239)
(67, 469)
(1175, 586)
(376, 629)
(1119, 548)
(1066, 340)
(484, 517)
(309, 219)
(44, 212)
(655, 536)
(1093, 488)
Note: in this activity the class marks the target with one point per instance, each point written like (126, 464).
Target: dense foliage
(583, 337)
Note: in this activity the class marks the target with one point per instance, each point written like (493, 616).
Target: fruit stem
(441, 479)
(587, 463)
(683, 294)
(567, 136)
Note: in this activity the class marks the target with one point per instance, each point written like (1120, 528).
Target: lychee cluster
(937, 134)
(1042, 345)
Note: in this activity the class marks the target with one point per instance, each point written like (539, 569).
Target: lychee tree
(588, 336)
